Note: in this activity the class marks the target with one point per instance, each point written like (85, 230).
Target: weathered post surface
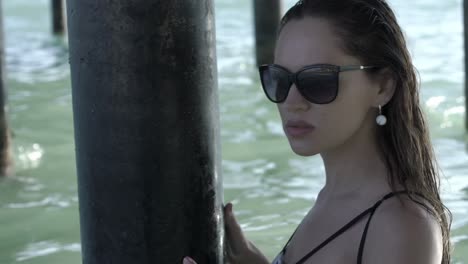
(267, 16)
(6, 155)
(465, 18)
(58, 17)
(145, 103)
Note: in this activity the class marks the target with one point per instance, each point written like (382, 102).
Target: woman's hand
(239, 249)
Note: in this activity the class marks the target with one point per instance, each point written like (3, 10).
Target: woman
(346, 89)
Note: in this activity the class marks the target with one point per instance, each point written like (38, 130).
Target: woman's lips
(298, 128)
(298, 131)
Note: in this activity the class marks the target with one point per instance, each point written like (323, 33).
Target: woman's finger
(236, 239)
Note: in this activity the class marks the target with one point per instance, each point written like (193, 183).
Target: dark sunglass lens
(275, 83)
(318, 87)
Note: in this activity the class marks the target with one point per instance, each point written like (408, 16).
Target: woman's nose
(295, 101)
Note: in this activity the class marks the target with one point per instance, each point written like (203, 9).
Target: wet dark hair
(369, 31)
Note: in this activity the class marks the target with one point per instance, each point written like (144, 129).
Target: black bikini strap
(372, 210)
(337, 233)
(348, 225)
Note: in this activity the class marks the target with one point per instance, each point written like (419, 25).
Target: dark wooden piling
(58, 17)
(6, 155)
(267, 16)
(465, 15)
(144, 89)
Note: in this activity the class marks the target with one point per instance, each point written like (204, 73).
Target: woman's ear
(387, 87)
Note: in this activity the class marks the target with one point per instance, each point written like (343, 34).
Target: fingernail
(228, 208)
(188, 260)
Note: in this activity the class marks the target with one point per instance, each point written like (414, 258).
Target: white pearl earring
(381, 119)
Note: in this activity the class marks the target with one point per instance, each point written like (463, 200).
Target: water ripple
(54, 201)
(44, 248)
(35, 57)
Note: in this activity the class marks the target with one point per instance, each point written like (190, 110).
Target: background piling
(465, 18)
(6, 156)
(58, 17)
(267, 16)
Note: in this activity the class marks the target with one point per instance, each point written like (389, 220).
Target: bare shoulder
(403, 233)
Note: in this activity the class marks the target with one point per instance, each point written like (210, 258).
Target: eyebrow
(303, 66)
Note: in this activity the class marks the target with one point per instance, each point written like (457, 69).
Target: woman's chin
(304, 150)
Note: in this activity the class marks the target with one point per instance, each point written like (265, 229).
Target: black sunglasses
(317, 83)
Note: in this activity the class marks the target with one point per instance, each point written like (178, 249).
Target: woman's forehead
(308, 32)
(308, 41)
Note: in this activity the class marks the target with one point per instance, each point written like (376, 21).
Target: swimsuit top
(371, 211)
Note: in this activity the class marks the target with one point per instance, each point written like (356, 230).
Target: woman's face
(312, 41)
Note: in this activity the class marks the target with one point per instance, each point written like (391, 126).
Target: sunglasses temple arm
(355, 67)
